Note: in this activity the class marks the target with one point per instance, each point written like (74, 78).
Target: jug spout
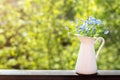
(85, 39)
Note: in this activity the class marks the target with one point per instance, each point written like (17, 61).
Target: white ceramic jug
(86, 62)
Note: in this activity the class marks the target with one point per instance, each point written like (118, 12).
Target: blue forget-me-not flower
(106, 32)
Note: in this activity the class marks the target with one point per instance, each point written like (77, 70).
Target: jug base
(86, 74)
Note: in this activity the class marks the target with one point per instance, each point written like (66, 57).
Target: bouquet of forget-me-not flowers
(91, 27)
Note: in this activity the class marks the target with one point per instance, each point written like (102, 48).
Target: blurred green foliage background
(33, 34)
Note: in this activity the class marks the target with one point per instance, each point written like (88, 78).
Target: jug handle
(103, 42)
